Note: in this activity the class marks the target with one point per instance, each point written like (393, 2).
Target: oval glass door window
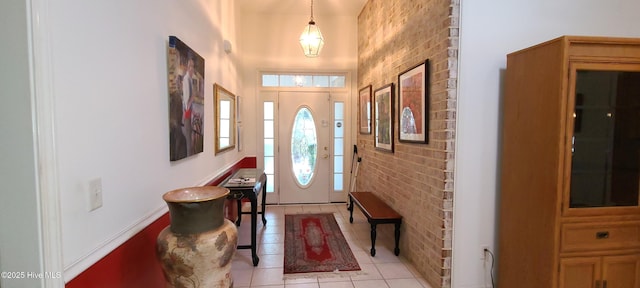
(304, 146)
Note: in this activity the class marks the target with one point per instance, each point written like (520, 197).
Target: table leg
(264, 203)
(239, 203)
(397, 232)
(350, 209)
(373, 239)
(254, 219)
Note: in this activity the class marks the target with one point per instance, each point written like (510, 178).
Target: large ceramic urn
(196, 249)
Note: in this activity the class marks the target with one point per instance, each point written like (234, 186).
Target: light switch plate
(95, 194)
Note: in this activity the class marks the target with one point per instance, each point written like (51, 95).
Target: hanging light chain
(312, 11)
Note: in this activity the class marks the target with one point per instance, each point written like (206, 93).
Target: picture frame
(225, 109)
(364, 110)
(239, 123)
(185, 75)
(413, 104)
(383, 117)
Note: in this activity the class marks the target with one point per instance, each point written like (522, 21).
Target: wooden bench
(377, 212)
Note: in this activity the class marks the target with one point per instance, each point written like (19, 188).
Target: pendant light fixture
(311, 39)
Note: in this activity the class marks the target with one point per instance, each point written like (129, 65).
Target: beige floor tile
(370, 273)
(270, 249)
(272, 228)
(270, 238)
(241, 277)
(383, 270)
(271, 261)
(394, 271)
(311, 280)
(384, 255)
(303, 285)
(370, 284)
(404, 283)
(266, 276)
(362, 257)
(342, 284)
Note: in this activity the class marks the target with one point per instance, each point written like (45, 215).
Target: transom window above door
(303, 80)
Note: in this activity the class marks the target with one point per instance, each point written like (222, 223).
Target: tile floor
(383, 270)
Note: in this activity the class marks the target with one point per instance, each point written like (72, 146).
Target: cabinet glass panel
(606, 139)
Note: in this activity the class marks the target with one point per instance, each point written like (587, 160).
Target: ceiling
(320, 7)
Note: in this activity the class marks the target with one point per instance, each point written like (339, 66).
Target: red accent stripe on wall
(134, 264)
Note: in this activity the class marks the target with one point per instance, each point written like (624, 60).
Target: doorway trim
(270, 94)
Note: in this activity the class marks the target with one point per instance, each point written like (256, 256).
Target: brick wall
(417, 179)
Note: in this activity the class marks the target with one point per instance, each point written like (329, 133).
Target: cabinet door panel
(579, 272)
(621, 271)
(603, 138)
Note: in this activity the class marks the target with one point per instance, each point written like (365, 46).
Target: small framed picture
(383, 117)
(364, 110)
(413, 104)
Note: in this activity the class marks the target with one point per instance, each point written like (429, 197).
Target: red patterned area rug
(314, 243)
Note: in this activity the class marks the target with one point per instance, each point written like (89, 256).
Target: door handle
(602, 235)
(325, 156)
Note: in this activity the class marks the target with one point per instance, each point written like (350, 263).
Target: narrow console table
(248, 184)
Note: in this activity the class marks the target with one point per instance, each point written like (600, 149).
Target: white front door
(305, 122)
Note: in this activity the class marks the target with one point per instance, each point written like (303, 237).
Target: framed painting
(364, 110)
(186, 100)
(413, 104)
(383, 115)
(238, 123)
(225, 109)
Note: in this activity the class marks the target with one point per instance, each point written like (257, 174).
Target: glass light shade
(311, 40)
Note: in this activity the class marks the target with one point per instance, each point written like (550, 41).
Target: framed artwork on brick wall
(413, 104)
(364, 110)
(383, 117)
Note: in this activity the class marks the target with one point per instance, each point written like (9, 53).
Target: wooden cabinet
(570, 165)
(580, 272)
(600, 272)
(621, 271)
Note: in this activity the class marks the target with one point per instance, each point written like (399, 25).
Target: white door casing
(273, 139)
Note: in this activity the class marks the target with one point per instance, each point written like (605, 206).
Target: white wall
(490, 30)
(109, 70)
(20, 239)
(107, 66)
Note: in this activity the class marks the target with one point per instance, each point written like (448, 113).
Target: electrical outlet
(484, 249)
(95, 194)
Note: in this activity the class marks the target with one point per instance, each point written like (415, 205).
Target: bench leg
(350, 209)
(373, 239)
(397, 232)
